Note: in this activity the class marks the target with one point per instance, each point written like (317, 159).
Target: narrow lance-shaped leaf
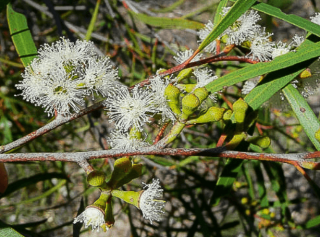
(304, 113)
(306, 51)
(218, 16)
(167, 23)
(272, 83)
(21, 36)
(292, 19)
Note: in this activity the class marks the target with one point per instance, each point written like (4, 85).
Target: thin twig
(48, 127)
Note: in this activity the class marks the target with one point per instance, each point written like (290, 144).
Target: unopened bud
(190, 103)
(186, 87)
(213, 114)
(172, 94)
(202, 93)
(227, 115)
(122, 167)
(261, 141)
(96, 178)
(185, 73)
(239, 110)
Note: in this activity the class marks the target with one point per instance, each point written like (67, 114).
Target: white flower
(316, 18)
(130, 109)
(91, 216)
(203, 33)
(66, 51)
(204, 76)
(280, 49)
(124, 141)
(63, 74)
(158, 86)
(54, 89)
(244, 28)
(261, 47)
(225, 10)
(297, 40)
(182, 56)
(99, 77)
(306, 86)
(151, 207)
(248, 86)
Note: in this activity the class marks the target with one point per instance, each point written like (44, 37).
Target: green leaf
(272, 83)
(93, 20)
(226, 179)
(306, 51)
(278, 184)
(8, 231)
(293, 19)
(247, 176)
(233, 14)
(167, 23)
(170, 8)
(313, 222)
(304, 113)
(218, 16)
(260, 182)
(21, 36)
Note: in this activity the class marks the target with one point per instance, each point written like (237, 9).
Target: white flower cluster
(305, 86)
(133, 109)
(149, 203)
(64, 73)
(246, 29)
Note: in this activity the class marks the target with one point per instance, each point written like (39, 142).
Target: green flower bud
(202, 93)
(305, 74)
(122, 167)
(135, 133)
(239, 110)
(185, 73)
(261, 141)
(190, 103)
(213, 114)
(96, 178)
(172, 95)
(186, 87)
(317, 135)
(134, 173)
(224, 38)
(235, 141)
(130, 197)
(227, 115)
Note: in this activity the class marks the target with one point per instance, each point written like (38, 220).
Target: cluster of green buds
(99, 215)
(188, 111)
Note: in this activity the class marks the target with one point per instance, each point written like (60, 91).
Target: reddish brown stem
(161, 132)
